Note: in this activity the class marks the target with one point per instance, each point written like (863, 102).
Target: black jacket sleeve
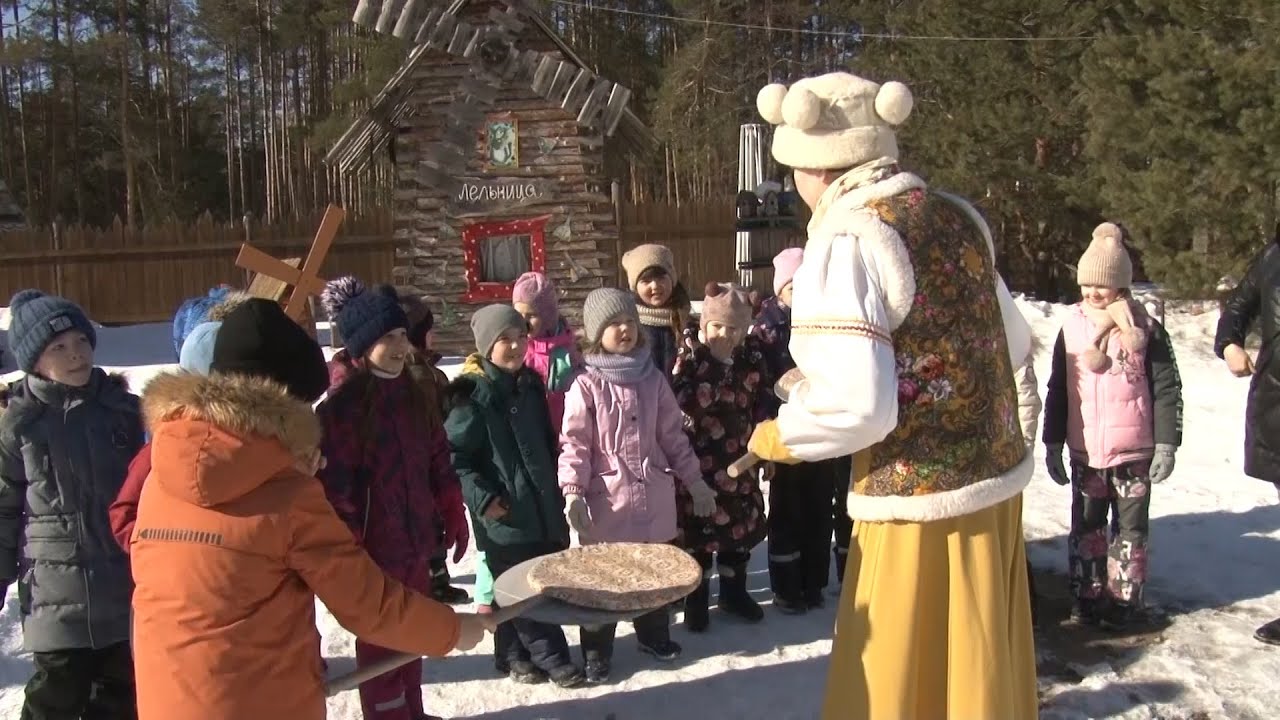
(1166, 387)
(1242, 307)
(1055, 399)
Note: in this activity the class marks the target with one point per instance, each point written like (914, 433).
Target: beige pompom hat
(1106, 262)
(834, 121)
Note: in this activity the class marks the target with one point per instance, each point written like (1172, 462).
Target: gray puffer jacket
(64, 453)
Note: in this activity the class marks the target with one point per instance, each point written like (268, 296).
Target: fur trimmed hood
(216, 438)
(233, 300)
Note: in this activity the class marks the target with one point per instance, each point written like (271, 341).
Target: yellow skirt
(937, 624)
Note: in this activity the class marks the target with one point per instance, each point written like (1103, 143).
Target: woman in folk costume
(902, 331)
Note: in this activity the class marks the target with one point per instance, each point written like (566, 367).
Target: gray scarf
(626, 369)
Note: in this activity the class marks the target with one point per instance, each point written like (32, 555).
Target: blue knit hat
(36, 319)
(192, 312)
(197, 349)
(363, 315)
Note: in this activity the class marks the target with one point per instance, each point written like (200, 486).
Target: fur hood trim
(233, 300)
(238, 403)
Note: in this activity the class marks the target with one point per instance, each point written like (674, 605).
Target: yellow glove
(767, 445)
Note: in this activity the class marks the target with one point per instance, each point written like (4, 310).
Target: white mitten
(704, 498)
(579, 515)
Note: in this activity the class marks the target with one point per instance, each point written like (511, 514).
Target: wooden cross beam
(305, 281)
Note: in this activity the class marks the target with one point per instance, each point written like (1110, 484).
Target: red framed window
(496, 253)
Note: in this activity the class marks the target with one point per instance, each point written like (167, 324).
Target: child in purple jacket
(388, 472)
(622, 448)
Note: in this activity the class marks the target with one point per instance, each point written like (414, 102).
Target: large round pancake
(617, 576)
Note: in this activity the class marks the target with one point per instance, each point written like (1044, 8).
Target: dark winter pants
(800, 526)
(652, 629)
(523, 640)
(396, 695)
(82, 683)
(842, 472)
(1114, 570)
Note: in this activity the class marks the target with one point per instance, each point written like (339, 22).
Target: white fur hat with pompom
(834, 121)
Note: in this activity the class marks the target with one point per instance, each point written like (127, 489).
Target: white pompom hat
(834, 121)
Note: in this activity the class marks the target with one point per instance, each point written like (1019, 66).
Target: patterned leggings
(1114, 570)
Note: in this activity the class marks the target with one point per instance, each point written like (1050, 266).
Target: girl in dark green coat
(504, 451)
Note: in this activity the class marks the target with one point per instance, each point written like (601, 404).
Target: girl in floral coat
(387, 472)
(1115, 402)
(719, 385)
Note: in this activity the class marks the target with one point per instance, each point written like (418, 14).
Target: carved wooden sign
(484, 196)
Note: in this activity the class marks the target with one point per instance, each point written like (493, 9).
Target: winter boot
(815, 599)
(524, 672)
(567, 676)
(734, 598)
(1119, 616)
(442, 589)
(1084, 611)
(1269, 633)
(696, 616)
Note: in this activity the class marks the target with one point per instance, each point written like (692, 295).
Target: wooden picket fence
(123, 275)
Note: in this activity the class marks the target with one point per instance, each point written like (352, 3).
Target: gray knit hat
(603, 305)
(490, 322)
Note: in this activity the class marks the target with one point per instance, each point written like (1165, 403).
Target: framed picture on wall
(502, 142)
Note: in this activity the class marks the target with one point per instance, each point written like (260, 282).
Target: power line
(853, 35)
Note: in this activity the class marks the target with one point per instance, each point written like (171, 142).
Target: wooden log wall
(552, 148)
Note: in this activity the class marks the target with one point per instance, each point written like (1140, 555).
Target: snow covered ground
(1215, 568)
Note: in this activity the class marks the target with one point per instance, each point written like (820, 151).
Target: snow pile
(1214, 533)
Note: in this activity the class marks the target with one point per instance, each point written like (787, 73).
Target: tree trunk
(126, 139)
(77, 180)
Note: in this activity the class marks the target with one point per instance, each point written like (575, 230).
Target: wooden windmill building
(506, 146)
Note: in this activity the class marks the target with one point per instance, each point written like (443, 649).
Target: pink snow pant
(396, 695)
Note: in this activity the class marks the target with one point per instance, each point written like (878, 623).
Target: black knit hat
(260, 340)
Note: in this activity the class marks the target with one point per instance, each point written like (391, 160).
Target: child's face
(785, 295)
(655, 289)
(390, 352)
(723, 335)
(620, 335)
(67, 360)
(1099, 296)
(508, 352)
(530, 316)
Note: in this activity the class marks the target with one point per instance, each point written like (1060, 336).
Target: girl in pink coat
(622, 448)
(552, 351)
(1115, 401)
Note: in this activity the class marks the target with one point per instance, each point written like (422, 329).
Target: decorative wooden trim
(473, 233)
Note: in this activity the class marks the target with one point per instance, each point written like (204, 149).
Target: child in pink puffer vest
(552, 351)
(623, 446)
(1115, 401)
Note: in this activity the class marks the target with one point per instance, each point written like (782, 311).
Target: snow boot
(1084, 611)
(1119, 616)
(567, 676)
(815, 599)
(734, 597)
(442, 589)
(663, 650)
(1269, 633)
(696, 615)
(524, 672)
(597, 670)
(790, 605)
